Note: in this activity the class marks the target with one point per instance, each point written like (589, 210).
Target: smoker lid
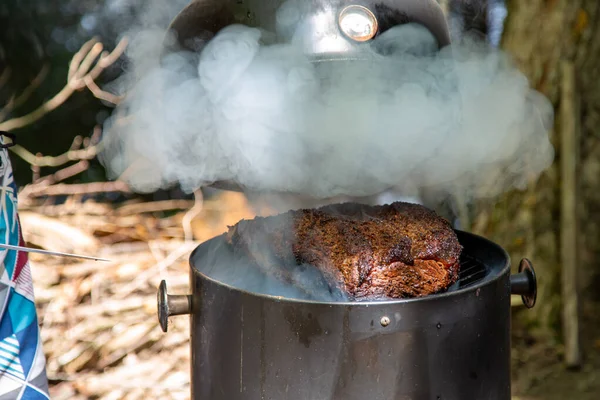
(200, 20)
(482, 262)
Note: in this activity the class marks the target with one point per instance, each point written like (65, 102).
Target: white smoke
(460, 121)
(260, 271)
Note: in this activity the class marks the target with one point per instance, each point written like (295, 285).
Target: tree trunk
(541, 35)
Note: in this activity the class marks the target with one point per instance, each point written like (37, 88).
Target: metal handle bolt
(169, 305)
(525, 283)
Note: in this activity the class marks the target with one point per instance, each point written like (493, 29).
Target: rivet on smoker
(358, 23)
(385, 321)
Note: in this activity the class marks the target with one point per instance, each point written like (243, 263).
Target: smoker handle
(169, 305)
(525, 283)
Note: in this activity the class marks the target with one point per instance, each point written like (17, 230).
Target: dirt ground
(538, 369)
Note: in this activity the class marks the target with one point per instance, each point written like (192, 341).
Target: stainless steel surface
(50, 253)
(171, 305)
(525, 283)
(202, 19)
(319, 33)
(450, 346)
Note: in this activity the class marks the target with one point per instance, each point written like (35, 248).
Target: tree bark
(569, 221)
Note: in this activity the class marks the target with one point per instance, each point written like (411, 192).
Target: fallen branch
(18, 101)
(142, 279)
(53, 234)
(63, 174)
(64, 189)
(88, 208)
(55, 161)
(99, 93)
(78, 57)
(99, 320)
(74, 154)
(80, 71)
(155, 206)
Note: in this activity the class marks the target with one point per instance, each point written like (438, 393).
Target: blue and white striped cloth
(22, 362)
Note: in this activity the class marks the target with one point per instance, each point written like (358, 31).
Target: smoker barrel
(450, 346)
(524, 284)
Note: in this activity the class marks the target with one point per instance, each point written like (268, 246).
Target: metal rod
(52, 253)
(171, 305)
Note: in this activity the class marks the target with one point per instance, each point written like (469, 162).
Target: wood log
(156, 206)
(569, 243)
(129, 341)
(112, 307)
(78, 357)
(53, 234)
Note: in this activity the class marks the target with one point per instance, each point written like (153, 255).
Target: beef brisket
(398, 250)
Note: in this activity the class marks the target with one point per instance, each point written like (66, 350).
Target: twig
(76, 144)
(87, 62)
(99, 93)
(76, 188)
(36, 171)
(166, 262)
(18, 101)
(96, 135)
(79, 56)
(63, 174)
(35, 115)
(174, 255)
(154, 206)
(55, 161)
(186, 222)
(73, 154)
(78, 71)
(107, 60)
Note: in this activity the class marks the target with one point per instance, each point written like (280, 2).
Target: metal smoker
(251, 346)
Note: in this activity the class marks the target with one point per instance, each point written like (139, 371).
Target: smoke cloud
(460, 121)
(262, 271)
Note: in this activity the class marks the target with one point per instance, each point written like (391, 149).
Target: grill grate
(471, 271)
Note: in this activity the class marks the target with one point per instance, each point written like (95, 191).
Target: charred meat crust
(399, 250)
